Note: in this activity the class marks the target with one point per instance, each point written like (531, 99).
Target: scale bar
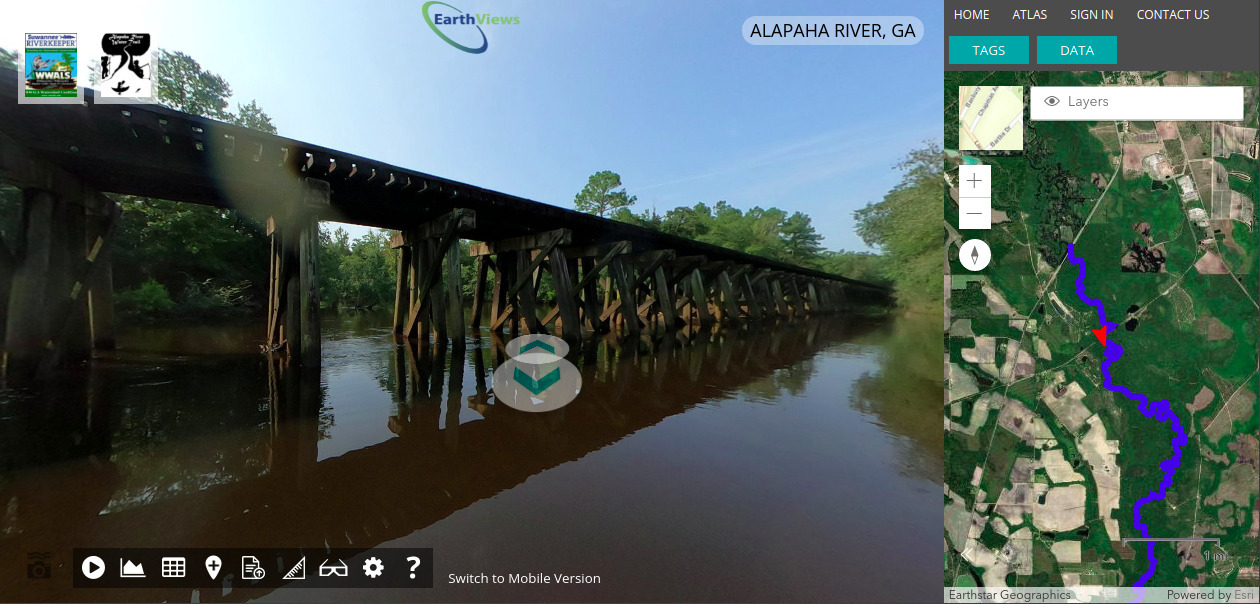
(1128, 539)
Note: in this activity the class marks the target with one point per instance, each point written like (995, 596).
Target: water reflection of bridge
(433, 468)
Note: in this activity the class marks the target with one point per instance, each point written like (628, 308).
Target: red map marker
(1102, 335)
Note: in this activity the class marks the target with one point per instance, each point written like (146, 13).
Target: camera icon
(36, 567)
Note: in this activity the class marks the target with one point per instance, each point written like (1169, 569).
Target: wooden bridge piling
(56, 298)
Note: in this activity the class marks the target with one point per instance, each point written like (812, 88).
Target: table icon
(173, 567)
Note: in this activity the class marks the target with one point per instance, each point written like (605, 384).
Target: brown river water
(798, 461)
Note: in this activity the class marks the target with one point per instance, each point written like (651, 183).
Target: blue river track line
(1160, 410)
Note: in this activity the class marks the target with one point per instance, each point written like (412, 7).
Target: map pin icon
(213, 564)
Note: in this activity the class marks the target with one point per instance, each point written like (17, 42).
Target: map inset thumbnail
(990, 118)
(1102, 369)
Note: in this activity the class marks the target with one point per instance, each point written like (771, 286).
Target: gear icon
(373, 567)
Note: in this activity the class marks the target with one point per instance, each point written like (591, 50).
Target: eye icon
(1052, 100)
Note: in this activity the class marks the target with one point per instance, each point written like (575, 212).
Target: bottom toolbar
(263, 568)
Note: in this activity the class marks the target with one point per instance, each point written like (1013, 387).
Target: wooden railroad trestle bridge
(55, 275)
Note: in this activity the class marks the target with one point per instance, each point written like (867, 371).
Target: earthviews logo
(461, 26)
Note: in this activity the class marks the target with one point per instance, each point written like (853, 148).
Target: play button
(93, 567)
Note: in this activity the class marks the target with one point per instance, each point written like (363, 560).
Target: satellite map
(1101, 412)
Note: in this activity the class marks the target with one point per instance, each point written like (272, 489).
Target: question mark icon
(415, 562)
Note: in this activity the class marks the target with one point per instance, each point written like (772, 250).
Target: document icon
(251, 569)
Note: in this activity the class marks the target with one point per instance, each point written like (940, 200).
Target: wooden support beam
(533, 241)
(431, 274)
(293, 288)
(566, 300)
(700, 297)
(498, 296)
(429, 244)
(402, 289)
(526, 295)
(455, 297)
(69, 335)
(437, 297)
(462, 220)
(308, 256)
(419, 260)
(768, 307)
(814, 304)
(680, 269)
(730, 305)
(101, 292)
(623, 278)
(479, 290)
(525, 273)
(647, 262)
(665, 295)
(750, 297)
(776, 292)
(589, 287)
(275, 291)
(29, 325)
(291, 312)
(799, 308)
(597, 250)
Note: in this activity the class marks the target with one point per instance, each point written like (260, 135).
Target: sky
(667, 94)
